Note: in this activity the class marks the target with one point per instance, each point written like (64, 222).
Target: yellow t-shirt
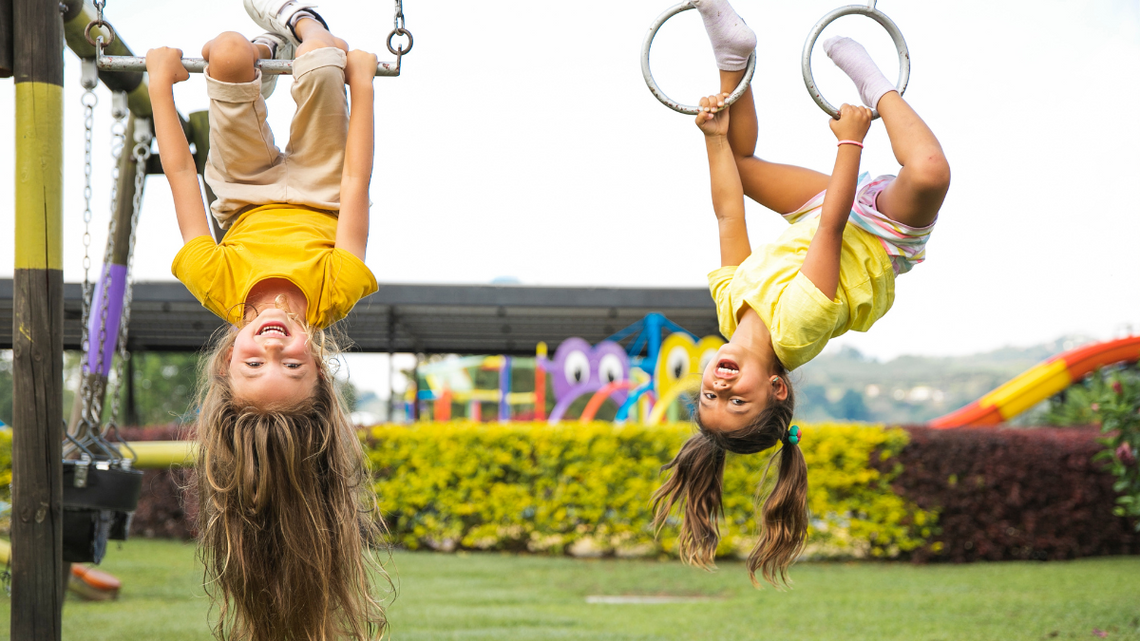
(275, 241)
(799, 317)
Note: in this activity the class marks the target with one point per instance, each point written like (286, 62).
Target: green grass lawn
(502, 597)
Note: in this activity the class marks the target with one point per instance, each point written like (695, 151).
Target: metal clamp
(870, 11)
(99, 23)
(648, 75)
(400, 51)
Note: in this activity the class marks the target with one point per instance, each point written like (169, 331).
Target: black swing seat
(98, 509)
(106, 487)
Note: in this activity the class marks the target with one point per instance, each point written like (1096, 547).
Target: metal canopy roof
(461, 319)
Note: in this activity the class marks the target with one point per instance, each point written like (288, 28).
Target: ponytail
(695, 486)
(784, 518)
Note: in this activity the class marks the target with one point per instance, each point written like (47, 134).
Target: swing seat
(97, 511)
(106, 488)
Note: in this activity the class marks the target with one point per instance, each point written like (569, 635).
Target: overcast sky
(521, 142)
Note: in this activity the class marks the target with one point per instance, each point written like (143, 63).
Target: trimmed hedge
(954, 495)
(1005, 493)
(585, 489)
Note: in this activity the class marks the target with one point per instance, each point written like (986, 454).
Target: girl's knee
(231, 57)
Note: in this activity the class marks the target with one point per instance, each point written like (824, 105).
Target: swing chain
(143, 139)
(398, 29)
(89, 101)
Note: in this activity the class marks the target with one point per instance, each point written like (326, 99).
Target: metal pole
(37, 324)
(137, 64)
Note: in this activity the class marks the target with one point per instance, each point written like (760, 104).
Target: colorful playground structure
(646, 386)
(1040, 382)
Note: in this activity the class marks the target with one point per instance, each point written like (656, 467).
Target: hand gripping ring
(666, 100)
(99, 23)
(878, 16)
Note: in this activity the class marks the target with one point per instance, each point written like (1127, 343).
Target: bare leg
(781, 188)
(916, 195)
(231, 57)
(313, 35)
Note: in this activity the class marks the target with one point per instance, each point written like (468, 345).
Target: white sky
(521, 141)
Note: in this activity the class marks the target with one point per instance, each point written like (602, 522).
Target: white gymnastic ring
(870, 11)
(656, 91)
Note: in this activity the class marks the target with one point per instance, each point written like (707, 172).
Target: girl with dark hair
(833, 270)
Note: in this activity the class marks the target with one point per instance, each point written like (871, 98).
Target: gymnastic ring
(660, 95)
(870, 11)
(400, 32)
(99, 23)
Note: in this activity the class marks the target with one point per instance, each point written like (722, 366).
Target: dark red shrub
(1008, 493)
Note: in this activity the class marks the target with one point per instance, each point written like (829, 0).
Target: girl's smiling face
(735, 387)
(271, 363)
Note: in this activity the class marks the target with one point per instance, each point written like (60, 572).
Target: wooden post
(37, 324)
(6, 35)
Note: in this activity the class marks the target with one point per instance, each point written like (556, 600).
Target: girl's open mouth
(273, 328)
(727, 368)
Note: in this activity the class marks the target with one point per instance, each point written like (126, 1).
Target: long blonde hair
(288, 523)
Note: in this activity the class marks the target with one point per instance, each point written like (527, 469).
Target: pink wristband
(851, 142)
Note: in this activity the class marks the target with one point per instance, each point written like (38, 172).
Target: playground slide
(1040, 382)
(86, 582)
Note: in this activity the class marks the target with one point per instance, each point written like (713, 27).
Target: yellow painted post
(37, 324)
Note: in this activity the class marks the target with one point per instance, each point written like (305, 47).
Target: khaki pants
(246, 169)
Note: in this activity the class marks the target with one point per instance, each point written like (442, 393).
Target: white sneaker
(279, 16)
(280, 48)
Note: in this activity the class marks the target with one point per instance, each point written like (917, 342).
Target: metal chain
(99, 4)
(142, 155)
(93, 406)
(89, 101)
(399, 30)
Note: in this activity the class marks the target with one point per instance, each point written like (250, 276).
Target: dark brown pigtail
(695, 486)
(784, 520)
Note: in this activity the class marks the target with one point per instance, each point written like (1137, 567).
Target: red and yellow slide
(1040, 382)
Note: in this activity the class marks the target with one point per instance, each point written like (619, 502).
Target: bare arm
(352, 222)
(727, 191)
(164, 67)
(821, 264)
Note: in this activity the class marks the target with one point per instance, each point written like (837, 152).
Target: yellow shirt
(275, 241)
(799, 317)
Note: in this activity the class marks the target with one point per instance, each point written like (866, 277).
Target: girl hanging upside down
(831, 271)
(287, 517)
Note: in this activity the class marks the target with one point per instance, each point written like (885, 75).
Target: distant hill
(847, 385)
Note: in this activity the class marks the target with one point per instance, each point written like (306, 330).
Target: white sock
(732, 40)
(852, 58)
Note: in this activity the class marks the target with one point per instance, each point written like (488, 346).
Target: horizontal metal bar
(198, 65)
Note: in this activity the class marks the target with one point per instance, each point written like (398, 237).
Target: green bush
(6, 466)
(585, 489)
(1117, 409)
(1110, 398)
